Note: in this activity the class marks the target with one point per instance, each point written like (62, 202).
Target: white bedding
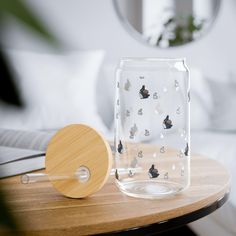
(220, 146)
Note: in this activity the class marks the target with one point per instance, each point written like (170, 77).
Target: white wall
(93, 24)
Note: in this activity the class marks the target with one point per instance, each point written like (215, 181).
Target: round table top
(43, 211)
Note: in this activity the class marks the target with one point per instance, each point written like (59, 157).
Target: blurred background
(71, 56)
(104, 27)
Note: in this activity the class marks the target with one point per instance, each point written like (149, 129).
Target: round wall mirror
(167, 23)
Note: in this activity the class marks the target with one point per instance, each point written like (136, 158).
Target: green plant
(8, 90)
(179, 30)
(21, 13)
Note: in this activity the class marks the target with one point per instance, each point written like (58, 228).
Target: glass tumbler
(152, 127)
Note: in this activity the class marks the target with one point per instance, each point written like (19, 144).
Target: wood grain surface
(73, 147)
(41, 210)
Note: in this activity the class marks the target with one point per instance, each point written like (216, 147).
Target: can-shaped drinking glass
(152, 127)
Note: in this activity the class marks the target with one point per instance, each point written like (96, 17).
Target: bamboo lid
(78, 161)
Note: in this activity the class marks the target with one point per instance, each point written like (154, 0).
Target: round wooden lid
(78, 161)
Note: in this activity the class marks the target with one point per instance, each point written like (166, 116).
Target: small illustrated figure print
(176, 85)
(133, 131)
(178, 111)
(127, 85)
(117, 115)
(131, 173)
(182, 133)
(127, 113)
(167, 123)
(120, 147)
(147, 133)
(158, 109)
(116, 175)
(134, 163)
(140, 111)
(141, 77)
(181, 154)
(155, 96)
(162, 149)
(186, 150)
(188, 96)
(166, 176)
(153, 173)
(140, 154)
(143, 92)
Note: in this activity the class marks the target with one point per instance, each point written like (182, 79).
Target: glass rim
(152, 62)
(153, 59)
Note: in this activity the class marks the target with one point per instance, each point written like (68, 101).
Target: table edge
(173, 223)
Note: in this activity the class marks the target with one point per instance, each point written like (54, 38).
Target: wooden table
(43, 211)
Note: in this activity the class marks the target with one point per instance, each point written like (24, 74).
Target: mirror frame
(138, 37)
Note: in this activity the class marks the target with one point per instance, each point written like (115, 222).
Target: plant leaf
(8, 90)
(19, 10)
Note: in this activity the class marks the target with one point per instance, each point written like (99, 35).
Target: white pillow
(201, 103)
(223, 116)
(57, 90)
(106, 82)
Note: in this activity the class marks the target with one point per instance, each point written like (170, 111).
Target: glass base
(150, 189)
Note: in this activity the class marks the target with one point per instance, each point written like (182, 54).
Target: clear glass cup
(152, 127)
